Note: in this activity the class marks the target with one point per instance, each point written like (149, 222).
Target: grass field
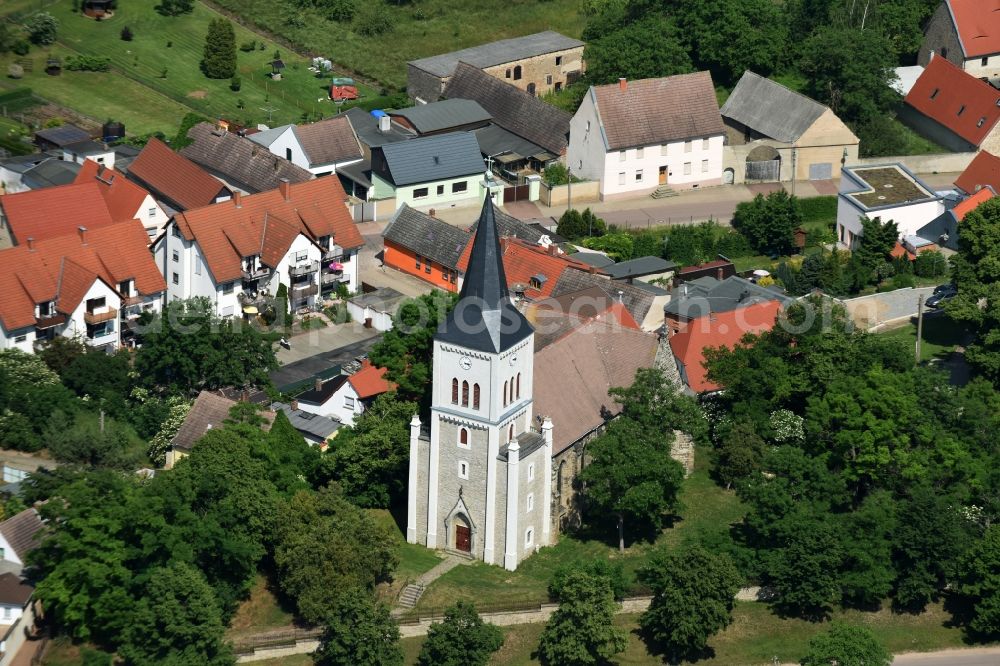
(755, 637)
(708, 509)
(421, 29)
(940, 337)
(137, 92)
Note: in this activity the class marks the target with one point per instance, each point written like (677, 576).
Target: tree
(617, 246)
(978, 583)
(219, 59)
(189, 348)
(324, 545)
(631, 476)
(769, 223)
(60, 352)
(876, 242)
(804, 570)
(176, 621)
(105, 378)
(405, 350)
(126, 34)
(290, 459)
(648, 48)
(739, 453)
(42, 28)
(581, 631)
(463, 639)
(175, 7)
(370, 460)
(848, 645)
(359, 632)
(92, 443)
(693, 594)
(613, 572)
(373, 20)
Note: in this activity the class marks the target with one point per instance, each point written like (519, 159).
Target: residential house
(424, 246)
(321, 148)
(526, 133)
(432, 171)
(953, 108)
(644, 302)
(19, 535)
(723, 329)
(967, 34)
(532, 268)
(374, 129)
(537, 64)
(34, 172)
(345, 397)
(942, 232)
(719, 268)
(983, 171)
(174, 180)
(774, 133)
(60, 137)
(644, 269)
(125, 200)
(708, 296)
(890, 192)
(376, 309)
(93, 151)
(239, 162)
(556, 317)
(51, 212)
(636, 136)
(93, 285)
(208, 411)
(316, 430)
(449, 115)
(237, 253)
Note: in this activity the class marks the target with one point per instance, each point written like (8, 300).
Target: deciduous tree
(581, 631)
(359, 632)
(769, 223)
(846, 644)
(978, 583)
(462, 639)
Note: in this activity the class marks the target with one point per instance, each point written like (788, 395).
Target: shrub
(341, 10)
(15, 71)
(903, 280)
(126, 34)
(21, 47)
(930, 264)
(247, 47)
(42, 28)
(86, 63)
(375, 19)
(235, 83)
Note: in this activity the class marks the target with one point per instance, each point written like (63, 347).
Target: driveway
(875, 311)
(319, 350)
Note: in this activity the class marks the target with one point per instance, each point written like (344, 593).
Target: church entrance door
(463, 539)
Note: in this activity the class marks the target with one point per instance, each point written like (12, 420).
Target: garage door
(822, 171)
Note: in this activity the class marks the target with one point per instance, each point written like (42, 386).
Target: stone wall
(587, 191)
(936, 163)
(542, 70)
(941, 38)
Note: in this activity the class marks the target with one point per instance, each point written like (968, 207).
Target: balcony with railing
(304, 268)
(334, 277)
(99, 315)
(251, 274)
(304, 291)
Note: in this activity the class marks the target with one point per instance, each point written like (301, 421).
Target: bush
(126, 34)
(42, 28)
(613, 572)
(375, 19)
(15, 71)
(235, 83)
(903, 280)
(247, 47)
(341, 10)
(21, 47)
(930, 264)
(86, 63)
(558, 174)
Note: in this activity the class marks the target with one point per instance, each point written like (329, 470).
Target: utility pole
(569, 188)
(920, 327)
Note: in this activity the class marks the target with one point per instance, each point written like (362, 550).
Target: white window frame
(349, 402)
(621, 178)
(621, 155)
(529, 537)
(152, 211)
(664, 149)
(531, 471)
(704, 166)
(639, 152)
(530, 502)
(458, 436)
(687, 168)
(463, 469)
(688, 146)
(175, 256)
(705, 143)
(638, 175)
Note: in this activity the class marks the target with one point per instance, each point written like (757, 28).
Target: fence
(559, 195)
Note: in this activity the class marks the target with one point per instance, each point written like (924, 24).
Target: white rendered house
(320, 148)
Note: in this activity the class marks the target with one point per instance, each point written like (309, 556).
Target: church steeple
(484, 318)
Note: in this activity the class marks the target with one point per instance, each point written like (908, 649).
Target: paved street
(970, 657)
(320, 361)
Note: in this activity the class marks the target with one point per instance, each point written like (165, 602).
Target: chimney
(623, 84)
(31, 243)
(319, 384)
(286, 189)
(432, 212)
(592, 270)
(295, 405)
(83, 234)
(621, 296)
(237, 198)
(719, 273)
(383, 124)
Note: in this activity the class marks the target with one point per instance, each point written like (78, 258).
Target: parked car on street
(942, 294)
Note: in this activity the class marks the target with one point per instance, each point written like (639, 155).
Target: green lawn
(138, 93)
(916, 144)
(940, 336)
(263, 610)
(421, 29)
(755, 637)
(708, 509)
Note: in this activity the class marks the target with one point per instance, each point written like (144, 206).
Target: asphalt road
(971, 657)
(305, 369)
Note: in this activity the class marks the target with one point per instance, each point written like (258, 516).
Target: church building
(480, 477)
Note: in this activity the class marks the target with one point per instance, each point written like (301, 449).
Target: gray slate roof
(319, 427)
(495, 140)
(511, 226)
(327, 389)
(64, 134)
(50, 173)
(638, 267)
(366, 127)
(497, 53)
(433, 158)
(385, 299)
(594, 259)
(636, 300)
(512, 108)
(706, 295)
(240, 160)
(427, 236)
(446, 114)
(770, 108)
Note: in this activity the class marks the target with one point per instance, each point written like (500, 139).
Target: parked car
(945, 288)
(942, 295)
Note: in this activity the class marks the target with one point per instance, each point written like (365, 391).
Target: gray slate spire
(484, 318)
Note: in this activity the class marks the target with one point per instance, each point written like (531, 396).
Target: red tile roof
(267, 223)
(174, 177)
(724, 329)
(956, 99)
(523, 261)
(370, 381)
(63, 268)
(983, 170)
(658, 111)
(122, 197)
(55, 211)
(978, 25)
(970, 204)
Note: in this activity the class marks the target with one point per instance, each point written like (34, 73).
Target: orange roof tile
(983, 171)
(523, 261)
(267, 223)
(174, 177)
(956, 99)
(724, 329)
(63, 268)
(122, 197)
(978, 26)
(54, 211)
(370, 381)
(970, 204)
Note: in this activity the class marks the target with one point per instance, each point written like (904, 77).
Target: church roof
(484, 319)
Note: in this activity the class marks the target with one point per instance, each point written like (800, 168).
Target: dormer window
(125, 287)
(935, 93)
(45, 309)
(961, 110)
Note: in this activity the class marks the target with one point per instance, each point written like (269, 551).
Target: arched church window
(475, 396)
(465, 394)
(510, 437)
(463, 436)
(454, 391)
(519, 386)
(511, 396)
(505, 401)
